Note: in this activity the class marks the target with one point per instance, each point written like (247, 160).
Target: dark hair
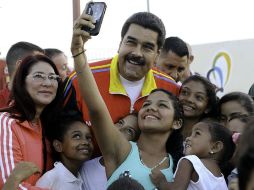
(251, 91)
(59, 128)
(149, 21)
(51, 52)
(242, 98)
(220, 133)
(126, 183)
(135, 114)
(176, 45)
(23, 106)
(19, 51)
(210, 91)
(174, 144)
(245, 164)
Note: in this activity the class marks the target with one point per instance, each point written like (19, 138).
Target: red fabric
(4, 97)
(20, 142)
(3, 74)
(117, 104)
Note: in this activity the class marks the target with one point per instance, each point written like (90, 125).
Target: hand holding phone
(97, 11)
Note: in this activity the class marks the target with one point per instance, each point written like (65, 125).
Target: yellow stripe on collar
(116, 86)
(149, 84)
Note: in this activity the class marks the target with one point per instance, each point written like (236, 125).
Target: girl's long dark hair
(174, 144)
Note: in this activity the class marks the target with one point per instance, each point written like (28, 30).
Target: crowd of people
(141, 120)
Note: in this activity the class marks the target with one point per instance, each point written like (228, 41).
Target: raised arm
(181, 180)
(113, 145)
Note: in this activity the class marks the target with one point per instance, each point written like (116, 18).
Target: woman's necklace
(157, 165)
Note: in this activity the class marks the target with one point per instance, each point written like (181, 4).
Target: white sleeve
(191, 158)
(46, 181)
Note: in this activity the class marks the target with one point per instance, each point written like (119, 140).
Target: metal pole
(148, 6)
(75, 9)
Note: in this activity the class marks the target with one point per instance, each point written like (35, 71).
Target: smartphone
(97, 11)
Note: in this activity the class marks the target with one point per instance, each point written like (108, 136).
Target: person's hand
(80, 37)
(158, 179)
(22, 171)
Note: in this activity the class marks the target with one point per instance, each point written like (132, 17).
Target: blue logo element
(220, 71)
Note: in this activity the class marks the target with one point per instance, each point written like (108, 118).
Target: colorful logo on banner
(220, 71)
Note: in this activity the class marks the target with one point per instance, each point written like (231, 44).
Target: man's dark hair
(51, 52)
(176, 45)
(19, 51)
(149, 21)
(251, 91)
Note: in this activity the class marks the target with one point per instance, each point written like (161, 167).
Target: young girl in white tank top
(209, 145)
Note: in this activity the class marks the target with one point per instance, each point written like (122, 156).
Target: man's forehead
(175, 59)
(136, 31)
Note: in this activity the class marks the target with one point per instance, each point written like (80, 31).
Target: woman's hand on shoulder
(22, 171)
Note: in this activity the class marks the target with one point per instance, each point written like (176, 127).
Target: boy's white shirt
(60, 178)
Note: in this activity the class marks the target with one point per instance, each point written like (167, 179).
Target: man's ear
(119, 45)
(57, 145)
(18, 62)
(158, 52)
(191, 58)
(177, 124)
(157, 57)
(216, 147)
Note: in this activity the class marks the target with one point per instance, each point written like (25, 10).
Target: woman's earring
(211, 152)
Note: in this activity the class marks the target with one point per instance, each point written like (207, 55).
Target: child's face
(157, 113)
(77, 143)
(194, 99)
(236, 125)
(199, 143)
(229, 109)
(128, 126)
